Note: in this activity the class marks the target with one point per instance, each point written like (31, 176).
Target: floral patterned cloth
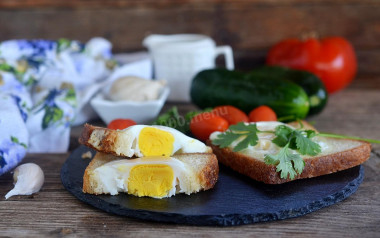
(40, 81)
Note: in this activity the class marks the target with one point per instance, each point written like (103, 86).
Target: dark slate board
(235, 200)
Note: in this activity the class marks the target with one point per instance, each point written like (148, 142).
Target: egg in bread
(154, 161)
(141, 140)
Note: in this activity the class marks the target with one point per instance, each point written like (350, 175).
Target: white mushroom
(28, 179)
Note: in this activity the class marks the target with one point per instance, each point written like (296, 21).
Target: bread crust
(106, 144)
(316, 166)
(86, 134)
(209, 174)
(98, 160)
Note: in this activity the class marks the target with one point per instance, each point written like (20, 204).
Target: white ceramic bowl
(140, 112)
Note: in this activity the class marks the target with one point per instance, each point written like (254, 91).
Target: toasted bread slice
(337, 154)
(121, 143)
(201, 173)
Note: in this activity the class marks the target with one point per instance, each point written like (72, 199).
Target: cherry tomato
(262, 113)
(332, 59)
(203, 124)
(120, 124)
(232, 114)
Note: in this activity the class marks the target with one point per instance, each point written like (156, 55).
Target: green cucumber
(216, 87)
(312, 85)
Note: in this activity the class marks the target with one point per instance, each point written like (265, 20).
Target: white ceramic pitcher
(178, 58)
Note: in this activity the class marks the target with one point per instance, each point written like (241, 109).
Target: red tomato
(232, 114)
(332, 59)
(120, 124)
(262, 113)
(203, 124)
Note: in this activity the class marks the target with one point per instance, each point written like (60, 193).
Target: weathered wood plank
(11, 4)
(250, 27)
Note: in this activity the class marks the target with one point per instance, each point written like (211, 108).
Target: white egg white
(182, 142)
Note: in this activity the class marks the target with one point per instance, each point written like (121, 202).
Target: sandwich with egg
(275, 153)
(153, 161)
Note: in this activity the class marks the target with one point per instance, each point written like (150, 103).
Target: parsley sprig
(296, 139)
(249, 132)
(287, 162)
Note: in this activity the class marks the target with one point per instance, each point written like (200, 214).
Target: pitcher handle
(228, 56)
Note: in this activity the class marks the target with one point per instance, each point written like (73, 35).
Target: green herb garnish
(296, 139)
(235, 132)
(288, 164)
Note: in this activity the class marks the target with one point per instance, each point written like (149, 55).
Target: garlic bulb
(28, 179)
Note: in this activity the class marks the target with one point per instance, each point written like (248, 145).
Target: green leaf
(248, 131)
(71, 97)
(225, 139)
(63, 44)
(306, 146)
(241, 127)
(52, 114)
(271, 159)
(14, 140)
(298, 163)
(172, 118)
(297, 140)
(288, 164)
(283, 135)
(6, 67)
(250, 139)
(310, 133)
(348, 137)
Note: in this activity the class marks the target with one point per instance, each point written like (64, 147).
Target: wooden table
(54, 212)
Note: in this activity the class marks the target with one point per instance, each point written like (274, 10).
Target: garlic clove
(28, 179)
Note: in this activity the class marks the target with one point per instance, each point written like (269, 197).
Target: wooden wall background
(249, 26)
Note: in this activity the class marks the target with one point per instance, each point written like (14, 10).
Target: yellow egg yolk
(155, 142)
(154, 180)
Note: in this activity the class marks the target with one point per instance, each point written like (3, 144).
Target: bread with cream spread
(336, 155)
